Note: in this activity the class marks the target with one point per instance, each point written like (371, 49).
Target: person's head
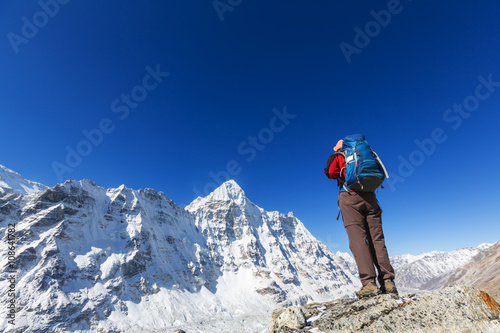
(339, 145)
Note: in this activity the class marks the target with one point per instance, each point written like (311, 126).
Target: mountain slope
(121, 260)
(11, 181)
(483, 272)
(280, 250)
(90, 258)
(424, 272)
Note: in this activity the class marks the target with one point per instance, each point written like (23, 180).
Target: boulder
(287, 320)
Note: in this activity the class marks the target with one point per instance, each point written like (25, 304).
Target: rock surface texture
(453, 309)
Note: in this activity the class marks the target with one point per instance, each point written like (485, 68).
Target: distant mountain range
(482, 272)
(123, 260)
(428, 271)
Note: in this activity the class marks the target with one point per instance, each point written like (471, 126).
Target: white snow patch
(83, 261)
(111, 265)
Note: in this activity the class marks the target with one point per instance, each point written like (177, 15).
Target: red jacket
(336, 168)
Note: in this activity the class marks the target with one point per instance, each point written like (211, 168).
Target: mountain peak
(11, 181)
(228, 191)
(229, 188)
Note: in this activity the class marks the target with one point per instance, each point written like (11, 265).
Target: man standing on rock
(362, 218)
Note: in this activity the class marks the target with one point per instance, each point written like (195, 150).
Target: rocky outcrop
(453, 309)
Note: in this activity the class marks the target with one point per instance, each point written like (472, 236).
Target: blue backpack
(364, 170)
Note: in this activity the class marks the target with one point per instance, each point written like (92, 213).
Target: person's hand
(339, 145)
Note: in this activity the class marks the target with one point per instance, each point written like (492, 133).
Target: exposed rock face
(291, 318)
(453, 309)
(482, 272)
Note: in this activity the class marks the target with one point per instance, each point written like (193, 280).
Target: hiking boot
(368, 290)
(390, 287)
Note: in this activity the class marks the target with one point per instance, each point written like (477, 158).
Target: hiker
(362, 215)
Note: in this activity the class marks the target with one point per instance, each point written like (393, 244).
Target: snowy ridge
(91, 258)
(11, 181)
(282, 250)
(428, 271)
(481, 272)
(121, 260)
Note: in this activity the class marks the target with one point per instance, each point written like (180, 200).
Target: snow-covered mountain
(430, 271)
(426, 271)
(11, 181)
(120, 260)
(482, 272)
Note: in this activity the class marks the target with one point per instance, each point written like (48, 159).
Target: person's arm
(337, 168)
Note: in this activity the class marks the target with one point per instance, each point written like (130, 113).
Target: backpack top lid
(353, 140)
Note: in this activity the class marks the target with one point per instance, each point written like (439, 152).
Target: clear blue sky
(391, 70)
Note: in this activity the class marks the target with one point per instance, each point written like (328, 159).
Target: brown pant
(363, 222)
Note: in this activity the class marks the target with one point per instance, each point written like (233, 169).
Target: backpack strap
(356, 165)
(343, 184)
(380, 161)
(338, 204)
(347, 189)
